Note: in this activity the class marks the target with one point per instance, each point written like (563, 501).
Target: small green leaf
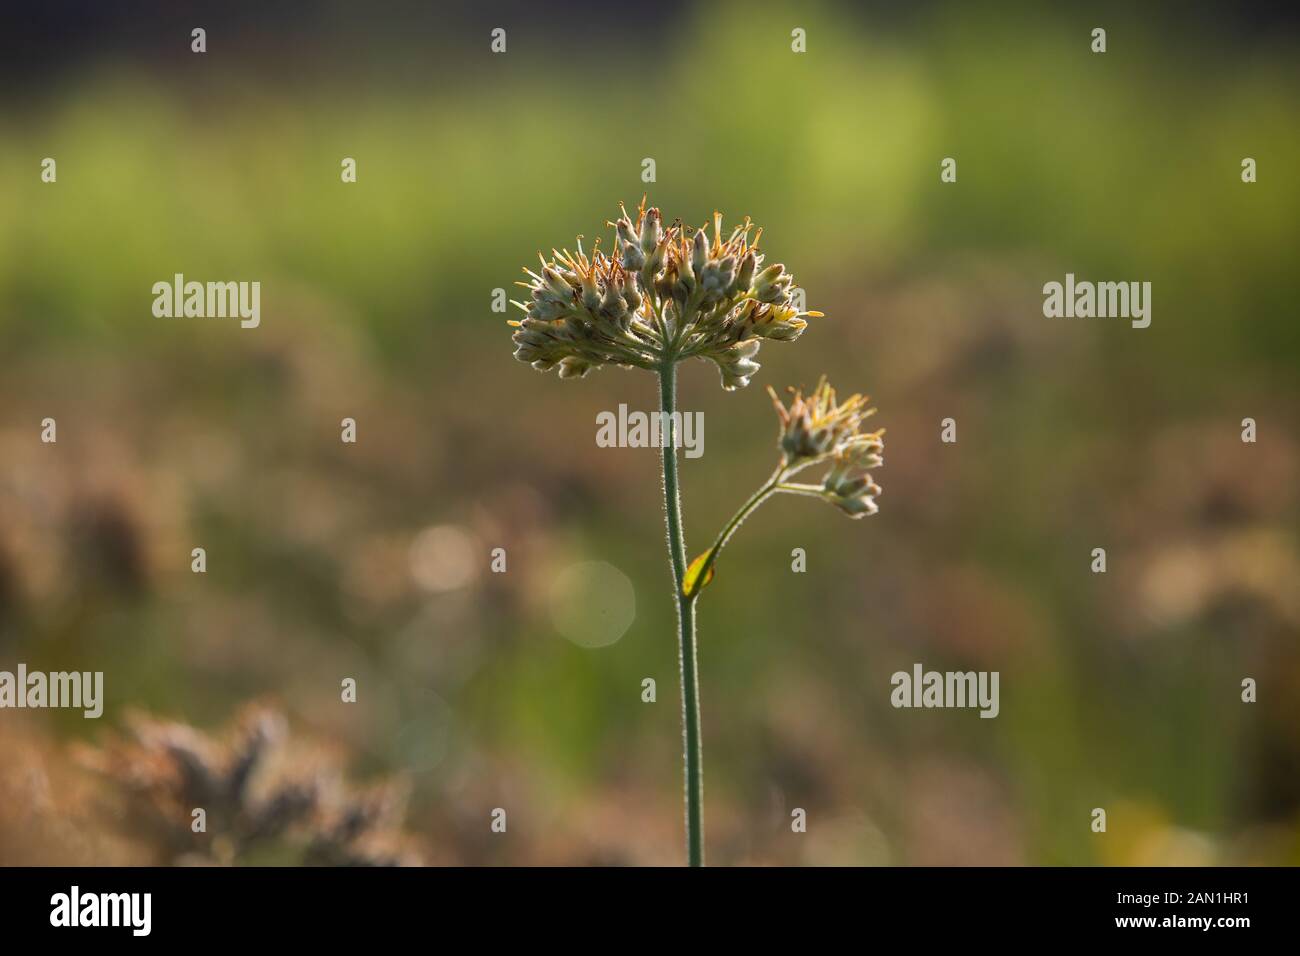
(691, 584)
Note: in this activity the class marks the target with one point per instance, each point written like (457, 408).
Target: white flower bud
(699, 252)
(651, 230)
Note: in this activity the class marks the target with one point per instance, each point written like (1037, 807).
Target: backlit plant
(667, 294)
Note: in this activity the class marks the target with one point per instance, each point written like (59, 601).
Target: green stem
(686, 641)
(797, 488)
(769, 488)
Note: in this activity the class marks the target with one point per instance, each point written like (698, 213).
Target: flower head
(817, 428)
(816, 425)
(663, 295)
(848, 486)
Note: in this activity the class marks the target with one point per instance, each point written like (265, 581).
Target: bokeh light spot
(592, 603)
(444, 558)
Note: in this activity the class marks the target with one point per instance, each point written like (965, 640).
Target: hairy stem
(686, 643)
(797, 488)
(769, 488)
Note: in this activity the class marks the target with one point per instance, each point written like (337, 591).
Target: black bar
(335, 905)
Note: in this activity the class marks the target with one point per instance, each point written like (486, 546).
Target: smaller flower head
(818, 428)
(847, 485)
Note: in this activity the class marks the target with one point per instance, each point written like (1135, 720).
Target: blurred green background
(371, 560)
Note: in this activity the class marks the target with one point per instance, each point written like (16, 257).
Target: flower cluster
(817, 428)
(667, 294)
